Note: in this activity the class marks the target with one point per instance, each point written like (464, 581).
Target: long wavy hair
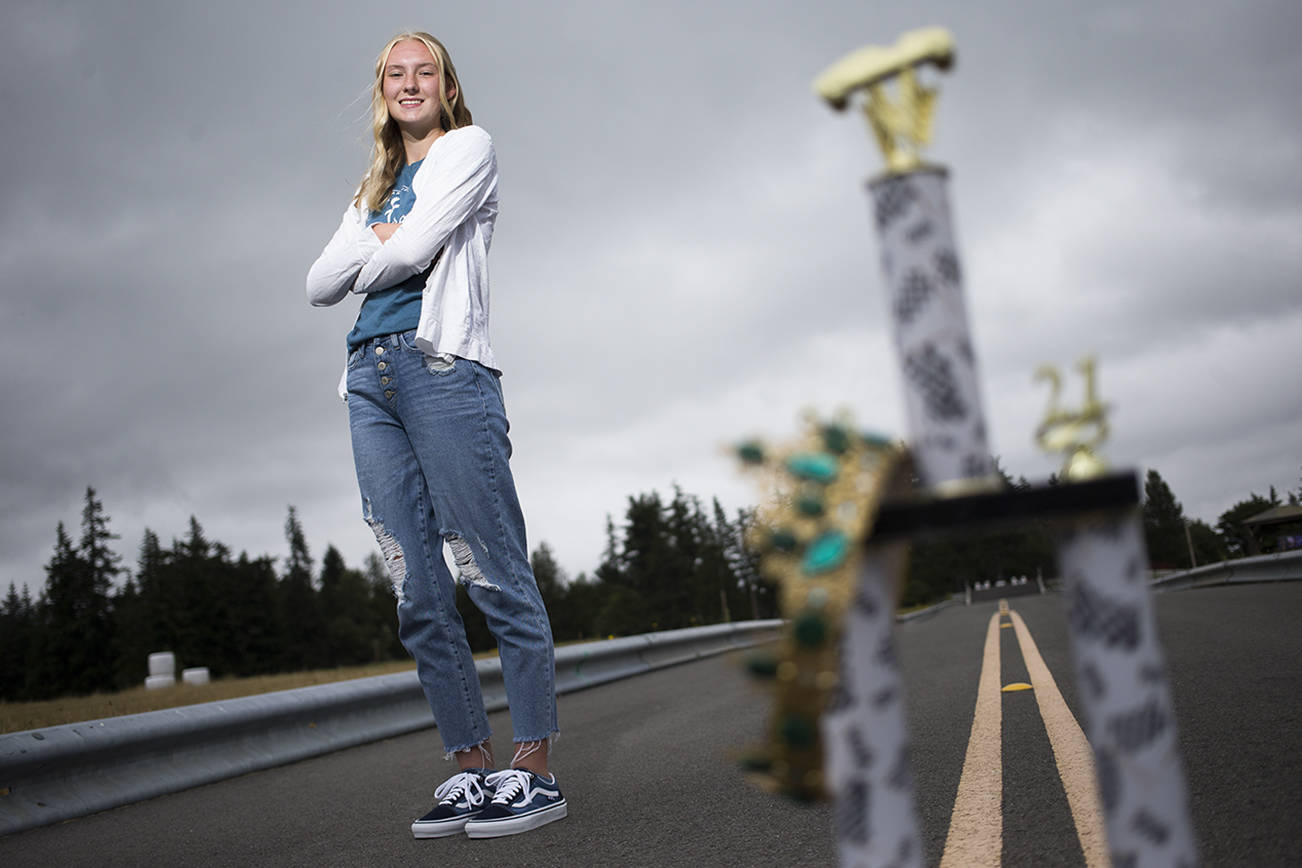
(387, 154)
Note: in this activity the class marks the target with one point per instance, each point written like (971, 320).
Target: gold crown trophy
(835, 534)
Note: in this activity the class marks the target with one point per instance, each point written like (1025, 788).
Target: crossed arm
(448, 192)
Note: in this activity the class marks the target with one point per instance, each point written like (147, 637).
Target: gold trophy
(902, 125)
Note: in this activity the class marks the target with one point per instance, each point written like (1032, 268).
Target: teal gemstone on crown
(825, 553)
(797, 731)
(809, 629)
(814, 466)
(836, 439)
(783, 540)
(810, 506)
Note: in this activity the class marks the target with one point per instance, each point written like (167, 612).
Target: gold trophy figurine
(901, 125)
(1076, 434)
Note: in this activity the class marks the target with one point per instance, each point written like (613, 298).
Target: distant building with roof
(1277, 529)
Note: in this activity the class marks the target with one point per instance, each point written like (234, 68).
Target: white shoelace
(508, 785)
(465, 783)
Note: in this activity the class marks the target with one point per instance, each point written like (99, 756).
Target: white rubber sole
(516, 825)
(439, 829)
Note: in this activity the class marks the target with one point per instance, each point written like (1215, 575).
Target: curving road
(645, 764)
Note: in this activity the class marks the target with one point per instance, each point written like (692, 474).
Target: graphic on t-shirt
(400, 199)
(394, 212)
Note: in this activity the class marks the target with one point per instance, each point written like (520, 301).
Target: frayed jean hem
(451, 752)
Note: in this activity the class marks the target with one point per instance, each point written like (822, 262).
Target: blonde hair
(387, 154)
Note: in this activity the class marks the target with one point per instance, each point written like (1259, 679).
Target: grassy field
(18, 716)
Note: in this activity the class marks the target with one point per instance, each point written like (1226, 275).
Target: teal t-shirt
(396, 309)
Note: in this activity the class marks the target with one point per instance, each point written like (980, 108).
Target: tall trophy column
(910, 207)
(866, 746)
(1120, 673)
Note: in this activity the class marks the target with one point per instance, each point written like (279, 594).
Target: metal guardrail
(934, 609)
(1279, 567)
(61, 772)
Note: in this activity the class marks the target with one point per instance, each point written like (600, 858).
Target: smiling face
(412, 86)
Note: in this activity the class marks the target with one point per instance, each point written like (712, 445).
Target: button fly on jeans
(384, 381)
(383, 366)
(379, 351)
(388, 393)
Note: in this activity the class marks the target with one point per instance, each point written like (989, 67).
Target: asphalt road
(646, 764)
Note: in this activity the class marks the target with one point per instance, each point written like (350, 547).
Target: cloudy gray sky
(683, 255)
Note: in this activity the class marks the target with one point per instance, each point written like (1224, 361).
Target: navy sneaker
(522, 800)
(461, 797)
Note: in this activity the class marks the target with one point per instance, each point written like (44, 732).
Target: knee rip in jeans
(464, 556)
(391, 551)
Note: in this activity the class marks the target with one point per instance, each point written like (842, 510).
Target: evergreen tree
(255, 627)
(1164, 531)
(17, 621)
(647, 565)
(610, 571)
(299, 564)
(937, 564)
(1208, 546)
(718, 596)
(131, 647)
(688, 597)
(304, 628)
(345, 606)
(77, 634)
(548, 574)
(157, 603)
(623, 612)
(601, 618)
(577, 618)
(676, 566)
(196, 570)
(554, 587)
(745, 560)
(47, 674)
(332, 574)
(102, 563)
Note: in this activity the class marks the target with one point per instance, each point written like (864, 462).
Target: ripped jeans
(431, 449)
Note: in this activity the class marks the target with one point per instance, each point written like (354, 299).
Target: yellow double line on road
(976, 825)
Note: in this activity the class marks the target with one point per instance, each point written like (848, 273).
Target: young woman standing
(429, 433)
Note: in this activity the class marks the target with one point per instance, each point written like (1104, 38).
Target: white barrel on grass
(154, 682)
(163, 663)
(195, 675)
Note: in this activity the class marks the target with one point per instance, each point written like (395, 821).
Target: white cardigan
(455, 209)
